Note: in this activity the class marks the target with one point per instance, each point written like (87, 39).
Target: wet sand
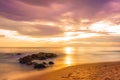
(95, 71)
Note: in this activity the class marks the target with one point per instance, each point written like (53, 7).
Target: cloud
(17, 10)
(33, 30)
(52, 9)
(44, 3)
(99, 39)
(62, 20)
(2, 36)
(41, 31)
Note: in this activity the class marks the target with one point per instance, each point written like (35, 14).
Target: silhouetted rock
(29, 63)
(28, 60)
(25, 59)
(19, 54)
(34, 56)
(39, 66)
(51, 62)
(44, 63)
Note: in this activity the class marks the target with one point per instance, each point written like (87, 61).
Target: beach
(72, 63)
(94, 71)
(59, 39)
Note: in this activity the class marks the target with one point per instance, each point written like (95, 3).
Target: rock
(28, 60)
(44, 63)
(51, 63)
(19, 54)
(25, 59)
(29, 63)
(39, 66)
(34, 56)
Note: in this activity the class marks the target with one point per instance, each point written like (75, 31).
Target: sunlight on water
(69, 50)
(68, 60)
(69, 56)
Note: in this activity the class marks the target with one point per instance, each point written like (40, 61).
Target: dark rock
(39, 66)
(19, 54)
(51, 63)
(34, 56)
(44, 63)
(29, 63)
(25, 59)
(40, 56)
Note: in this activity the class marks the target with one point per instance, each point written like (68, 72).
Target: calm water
(10, 69)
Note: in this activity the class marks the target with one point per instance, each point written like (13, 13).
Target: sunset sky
(55, 23)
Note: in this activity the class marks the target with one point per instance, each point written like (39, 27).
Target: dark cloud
(51, 9)
(10, 10)
(18, 11)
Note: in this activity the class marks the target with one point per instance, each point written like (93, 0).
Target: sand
(96, 71)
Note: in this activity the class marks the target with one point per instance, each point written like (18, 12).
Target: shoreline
(91, 71)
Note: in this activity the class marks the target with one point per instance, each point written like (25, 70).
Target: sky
(56, 23)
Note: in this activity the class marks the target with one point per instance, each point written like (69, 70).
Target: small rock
(39, 66)
(51, 63)
(19, 54)
(44, 63)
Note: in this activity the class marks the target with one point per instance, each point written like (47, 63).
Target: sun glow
(69, 50)
(104, 26)
(7, 33)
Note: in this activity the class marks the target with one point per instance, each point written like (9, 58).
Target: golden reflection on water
(68, 50)
(68, 58)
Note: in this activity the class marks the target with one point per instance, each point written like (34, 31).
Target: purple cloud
(51, 9)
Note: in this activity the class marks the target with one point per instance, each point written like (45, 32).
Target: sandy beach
(95, 71)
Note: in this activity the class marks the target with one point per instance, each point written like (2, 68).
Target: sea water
(10, 69)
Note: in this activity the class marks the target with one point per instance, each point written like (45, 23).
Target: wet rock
(44, 63)
(29, 59)
(39, 66)
(25, 59)
(19, 54)
(51, 62)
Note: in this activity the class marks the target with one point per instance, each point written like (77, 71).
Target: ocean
(10, 69)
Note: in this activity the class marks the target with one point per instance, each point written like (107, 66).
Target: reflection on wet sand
(68, 60)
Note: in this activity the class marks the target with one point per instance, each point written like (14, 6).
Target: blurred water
(69, 56)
